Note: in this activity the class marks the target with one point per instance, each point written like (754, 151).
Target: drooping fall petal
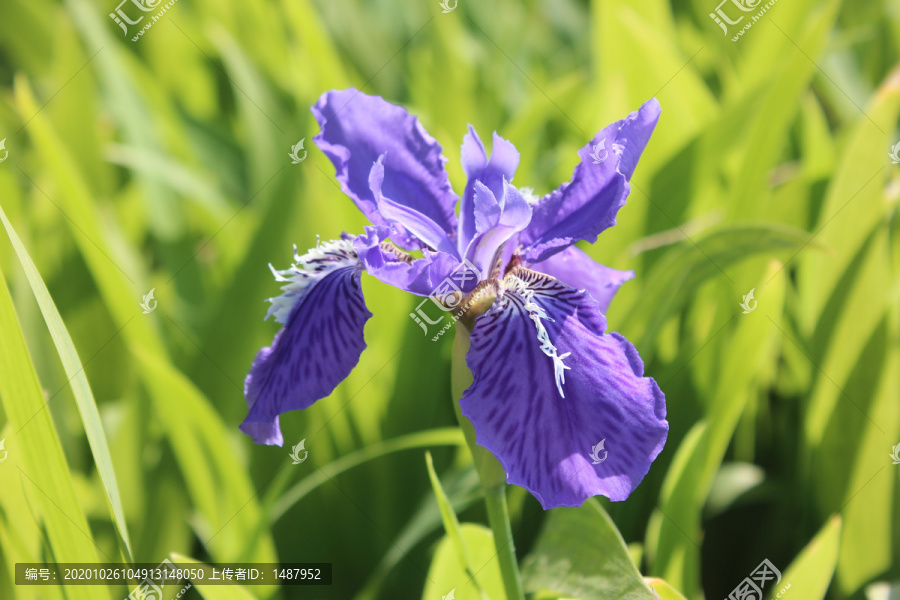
(549, 385)
(323, 313)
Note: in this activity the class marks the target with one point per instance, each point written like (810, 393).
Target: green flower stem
(491, 473)
(498, 516)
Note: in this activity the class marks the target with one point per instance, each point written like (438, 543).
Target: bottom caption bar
(152, 576)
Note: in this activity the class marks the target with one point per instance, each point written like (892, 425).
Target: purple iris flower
(549, 383)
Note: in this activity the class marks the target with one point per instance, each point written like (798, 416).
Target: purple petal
(487, 208)
(410, 219)
(584, 207)
(394, 267)
(541, 407)
(265, 432)
(502, 165)
(324, 314)
(356, 129)
(497, 226)
(576, 269)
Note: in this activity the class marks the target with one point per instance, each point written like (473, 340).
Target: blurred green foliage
(163, 164)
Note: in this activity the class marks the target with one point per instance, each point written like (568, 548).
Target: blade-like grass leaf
(81, 389)
(44, 472)
(810, 573)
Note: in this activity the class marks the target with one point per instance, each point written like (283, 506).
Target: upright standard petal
(578, 270)
(323, 313)
(497, 222)
(550, 386)
(582, 208)
(356, 129)
(491, 172)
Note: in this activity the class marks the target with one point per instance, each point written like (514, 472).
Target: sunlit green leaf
(42, 470)
(810, 573)
(87, 406)
(449, 578)
(581, 554)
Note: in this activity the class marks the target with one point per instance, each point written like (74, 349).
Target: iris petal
(497, 223)
(356, 129)
(576, 269)
(544, 439)
(491, 172)
(323, 313)
(582, 208)
(487, 208)
(408, 218)
(392, 266)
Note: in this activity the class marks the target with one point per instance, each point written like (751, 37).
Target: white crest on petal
(306, 271)
(537, 314)
(528, 194)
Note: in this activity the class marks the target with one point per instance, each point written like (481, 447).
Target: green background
(163, 164)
